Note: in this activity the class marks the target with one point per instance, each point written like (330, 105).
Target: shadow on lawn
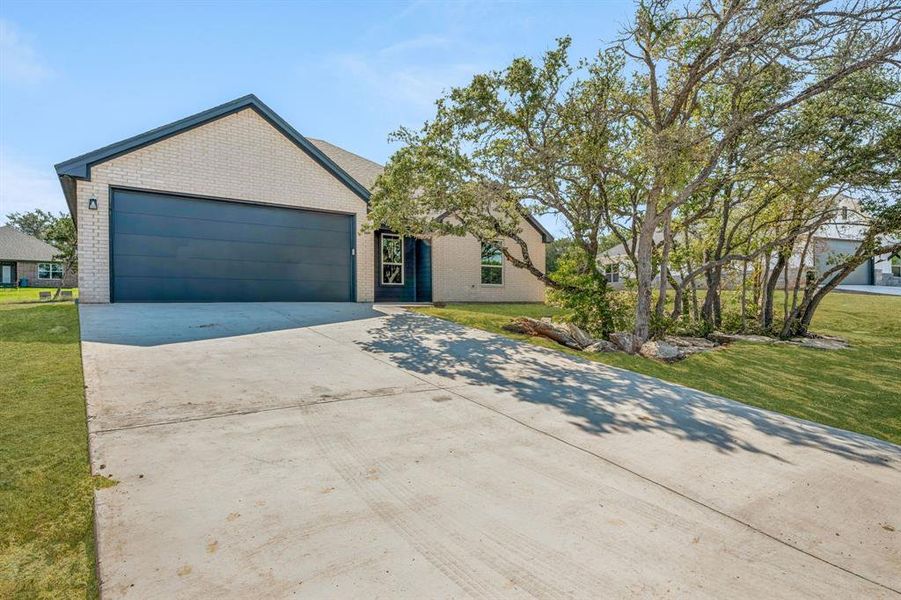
(600, 399)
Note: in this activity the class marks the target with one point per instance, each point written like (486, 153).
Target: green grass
(46, 489)
(29, 294)
(855, 389)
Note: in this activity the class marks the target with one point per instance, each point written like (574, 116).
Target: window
(392, 259)
(50, 271)
(896, 266)
(492, 265)
(611, 272)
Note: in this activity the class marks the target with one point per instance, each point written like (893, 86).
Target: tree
(35, 223)
(669, 130)
(787, 52)
(554, 251)
(882, 236)
(63, 235)
(527, 140)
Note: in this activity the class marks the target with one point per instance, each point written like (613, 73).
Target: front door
(7, 275)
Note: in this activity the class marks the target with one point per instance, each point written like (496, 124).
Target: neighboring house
(25, 257)
(829, 244)
(233, 204)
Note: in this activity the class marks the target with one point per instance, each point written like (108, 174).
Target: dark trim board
(274, 245)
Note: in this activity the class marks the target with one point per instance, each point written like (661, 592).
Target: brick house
(25, 257)
(233, 204)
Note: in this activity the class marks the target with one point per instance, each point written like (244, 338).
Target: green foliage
(64, 236)
(585, 297)
(554, 251)
(35, 223)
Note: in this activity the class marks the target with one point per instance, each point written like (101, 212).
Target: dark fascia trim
(80, 166)
(546, 236)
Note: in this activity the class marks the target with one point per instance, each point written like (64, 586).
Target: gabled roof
(80, 166)
(15, 245)
(362, 169)
(354, 171)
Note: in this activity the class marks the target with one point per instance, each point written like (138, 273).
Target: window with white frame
(392, 253)
(611, 272)
(896, 266)
(492, 264)
(50, 271)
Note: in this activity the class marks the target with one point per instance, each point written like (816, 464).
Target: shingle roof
(366, 172)
(362, 169)
(15, 245)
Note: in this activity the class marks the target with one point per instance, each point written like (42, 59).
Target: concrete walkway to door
(337, 450)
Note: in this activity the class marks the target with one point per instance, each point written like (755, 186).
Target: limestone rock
(661, 351)
(624, 340)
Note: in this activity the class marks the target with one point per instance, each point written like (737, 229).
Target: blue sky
(75, 76)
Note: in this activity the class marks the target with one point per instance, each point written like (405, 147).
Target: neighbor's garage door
(177, 249)
(832, 252)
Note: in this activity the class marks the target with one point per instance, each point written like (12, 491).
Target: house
(26, 257)
(829, 244)
(233, 204)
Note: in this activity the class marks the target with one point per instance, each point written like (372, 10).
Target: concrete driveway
(291, 450)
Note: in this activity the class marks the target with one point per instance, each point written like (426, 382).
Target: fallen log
(563, 333)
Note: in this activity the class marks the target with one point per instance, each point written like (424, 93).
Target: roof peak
(79, 167)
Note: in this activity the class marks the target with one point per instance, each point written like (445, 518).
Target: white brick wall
(456, 271)
(241, 157)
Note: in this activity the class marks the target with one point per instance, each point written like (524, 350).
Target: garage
(831, 250)
(173, 248)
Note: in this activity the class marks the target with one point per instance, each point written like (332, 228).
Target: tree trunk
(644, 277)
(711, 312)
(773, 280)
(744, 295)
(664, 266)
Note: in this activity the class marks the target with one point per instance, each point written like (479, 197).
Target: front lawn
(855, 389)
(46, 489)
(28, 294)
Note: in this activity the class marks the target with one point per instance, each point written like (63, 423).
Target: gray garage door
(176, 249)
(832, 252)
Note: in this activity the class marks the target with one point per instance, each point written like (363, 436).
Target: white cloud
(25, 187)
(416, 85)
(19, 63)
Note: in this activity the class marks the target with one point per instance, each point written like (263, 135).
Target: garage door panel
(179, 249)
(178, 207)
(164, 268)
(133, 224)
(830, 253)
(146, 245)
(136, 289)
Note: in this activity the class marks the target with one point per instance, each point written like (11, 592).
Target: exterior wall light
(92, 204)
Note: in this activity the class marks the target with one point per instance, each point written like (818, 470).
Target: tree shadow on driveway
(600, 399)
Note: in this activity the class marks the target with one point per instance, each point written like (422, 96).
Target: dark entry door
(168, 248)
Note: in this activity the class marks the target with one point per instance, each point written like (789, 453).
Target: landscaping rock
(661, 351)
(623, 340)
(727, 338)
(601, 346)
(689, 342)
(823, 343)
